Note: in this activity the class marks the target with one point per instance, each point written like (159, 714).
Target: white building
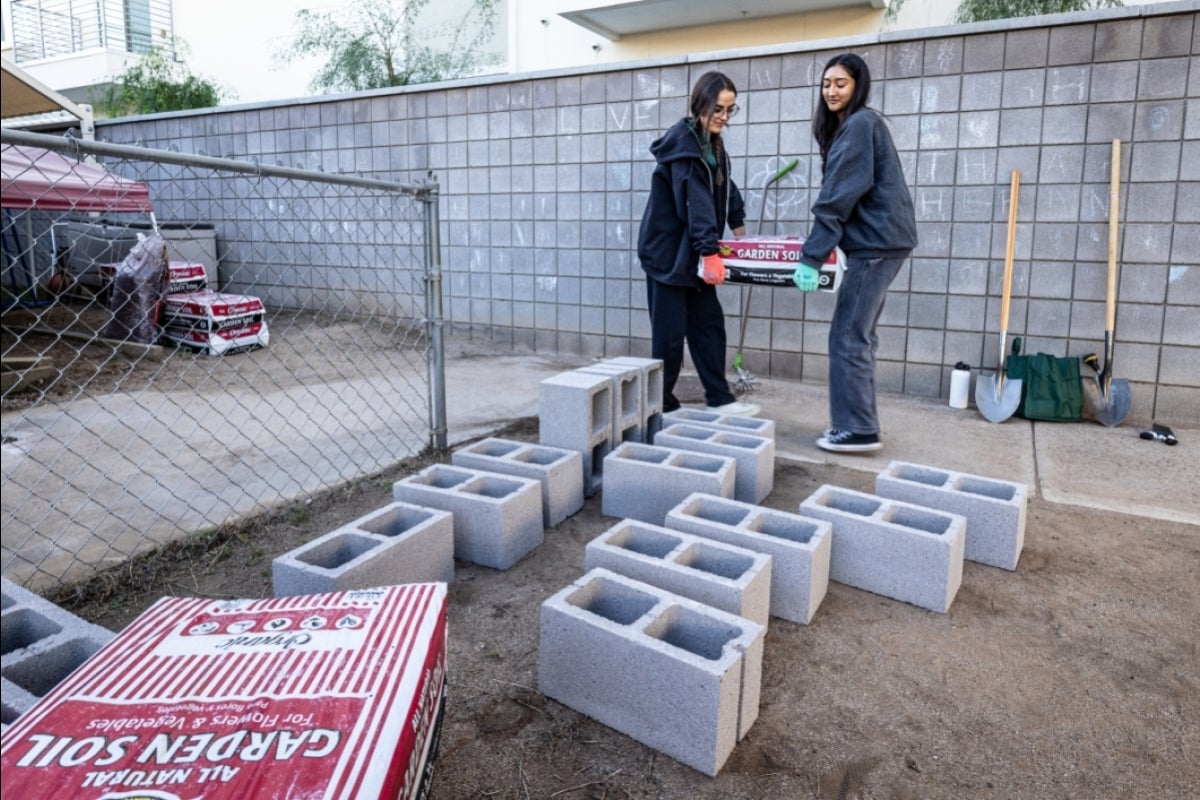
(76, 46)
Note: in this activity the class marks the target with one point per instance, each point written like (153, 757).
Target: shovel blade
(1108, 408)
(997, 402)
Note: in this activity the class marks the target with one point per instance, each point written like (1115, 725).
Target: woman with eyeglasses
(692, 199)
(865, 208)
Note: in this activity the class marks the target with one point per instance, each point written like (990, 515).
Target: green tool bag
(1051, 388)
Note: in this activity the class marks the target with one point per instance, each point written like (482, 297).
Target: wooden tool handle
(1006, 297)
(1114, 199)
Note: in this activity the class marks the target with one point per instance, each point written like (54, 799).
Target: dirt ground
(304, 350)
(1072, 677)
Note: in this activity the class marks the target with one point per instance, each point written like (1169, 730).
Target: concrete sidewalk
(1084, 464)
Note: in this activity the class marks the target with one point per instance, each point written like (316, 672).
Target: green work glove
(806, 278)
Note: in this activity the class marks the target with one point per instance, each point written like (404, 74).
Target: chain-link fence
(292, 344)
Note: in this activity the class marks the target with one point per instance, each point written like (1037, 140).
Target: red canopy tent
(43, 179)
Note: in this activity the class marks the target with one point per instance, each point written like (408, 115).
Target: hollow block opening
(395, 521)
(442, 477)
(541, 456)
(696, 633)
(695, 415)
(629, 397)
(23, 627)
(39, 675)
(929, 477)
(851, 504)
(698, 462)
(919, 520)
(496, 488)
(612, 601)
(336, 551)
(599, 452)
(645, 541)
(716, 561)
(743, 422)
(736, 440)
(999, 491)
(649, 455)
(781, 527)
(601, 410)
(712, 509)
(494, 449)
(695, 434)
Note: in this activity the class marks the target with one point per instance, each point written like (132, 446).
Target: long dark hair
(705, 94)
(826, 123)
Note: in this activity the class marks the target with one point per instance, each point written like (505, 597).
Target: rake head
(745, 382)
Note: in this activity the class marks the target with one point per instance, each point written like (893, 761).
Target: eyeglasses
(727, 113)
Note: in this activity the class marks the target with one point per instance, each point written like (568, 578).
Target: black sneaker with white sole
(847, 442)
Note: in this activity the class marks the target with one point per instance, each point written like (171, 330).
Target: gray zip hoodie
(864, 205)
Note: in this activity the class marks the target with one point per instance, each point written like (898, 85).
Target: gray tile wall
(544, 180)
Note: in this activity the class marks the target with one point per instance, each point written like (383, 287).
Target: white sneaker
(737, 409)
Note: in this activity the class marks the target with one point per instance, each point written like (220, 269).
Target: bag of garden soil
(335, 695)
(771, 260)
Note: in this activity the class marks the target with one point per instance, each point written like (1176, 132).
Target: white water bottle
(960, 385)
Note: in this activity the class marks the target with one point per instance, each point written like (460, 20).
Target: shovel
(746, 382)
(996, 397)
(1106, 399)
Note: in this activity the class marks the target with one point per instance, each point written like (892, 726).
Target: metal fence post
(434, 322)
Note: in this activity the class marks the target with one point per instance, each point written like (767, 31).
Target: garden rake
(745, 382)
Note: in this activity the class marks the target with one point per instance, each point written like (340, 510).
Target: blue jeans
(853, 342)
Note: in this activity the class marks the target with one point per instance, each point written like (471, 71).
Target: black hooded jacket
(687, 211)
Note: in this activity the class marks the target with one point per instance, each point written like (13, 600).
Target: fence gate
(295, 345)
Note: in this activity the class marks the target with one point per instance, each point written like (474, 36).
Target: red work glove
(713, 270)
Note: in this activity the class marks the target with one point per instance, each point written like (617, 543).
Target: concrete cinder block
(399, 543)
(575, 413)
(895, 549)
(644, 481)
(994, 510)
(723, 576)
(674, 674)
(497, 518)
(755, 455)
(41, 645)
(628, 396)
(799, 547)
(559, 470)
(756, 426)
(652, 391)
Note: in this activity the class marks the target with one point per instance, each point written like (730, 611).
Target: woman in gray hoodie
(865, 208)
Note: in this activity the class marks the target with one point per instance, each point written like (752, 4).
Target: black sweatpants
(679, 313)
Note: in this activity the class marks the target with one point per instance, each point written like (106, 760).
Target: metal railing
(116, 442)
(49, 28)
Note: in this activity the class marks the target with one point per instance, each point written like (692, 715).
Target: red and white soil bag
(215, 323)
(326, 696)
(771, 260)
